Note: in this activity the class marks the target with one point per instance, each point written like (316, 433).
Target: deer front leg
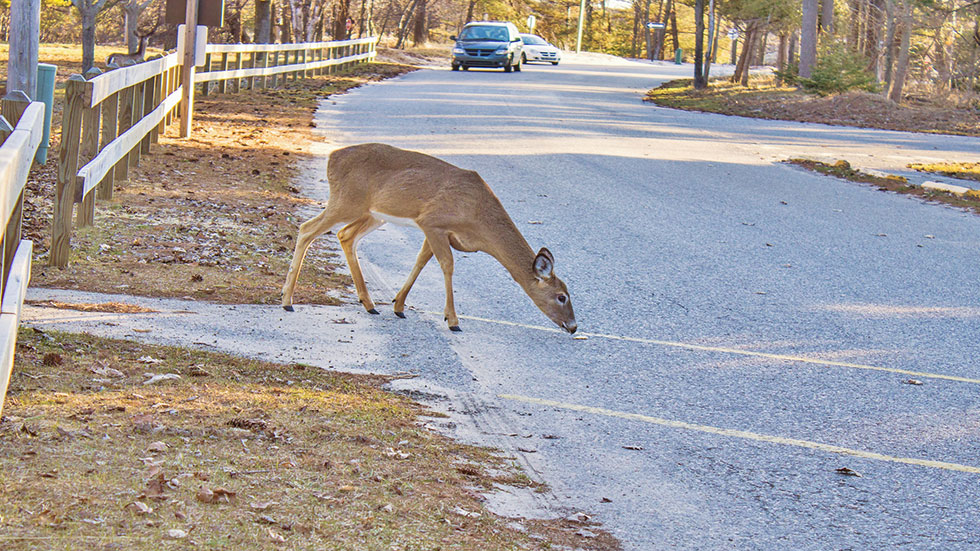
(424, 255)
(308, 231)
(348, 236)
(439, 245)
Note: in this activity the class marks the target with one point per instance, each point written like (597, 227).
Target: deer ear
(544, 264)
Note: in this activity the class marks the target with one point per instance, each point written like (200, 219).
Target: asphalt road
(751, 326)
(675, 229)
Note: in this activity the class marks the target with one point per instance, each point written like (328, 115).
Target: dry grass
(965, 171)
(236, 454)
(763, 98)
(842, 169)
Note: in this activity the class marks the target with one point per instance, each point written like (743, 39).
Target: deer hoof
(288, 308)
(400, 314)
(455, 328)
(373, 311)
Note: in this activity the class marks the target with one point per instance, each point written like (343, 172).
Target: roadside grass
(764, 98)
(898, 184)
(212, 217)
(237, 454)
(964, 171)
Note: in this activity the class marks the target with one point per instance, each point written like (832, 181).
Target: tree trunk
(827, 16)
(781, 56)
(902, 65)
(340, 23)
(872, 35)
(700, 83)
(808, 38)
(673, 27)
(712, 40)
(88, 39)
(469, 11)
(889, 43)
(420, 34)
(263, 21)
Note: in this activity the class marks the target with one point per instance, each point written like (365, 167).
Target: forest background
(908, 50)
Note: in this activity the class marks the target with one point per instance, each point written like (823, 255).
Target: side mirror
(516, 40)
(453, 38)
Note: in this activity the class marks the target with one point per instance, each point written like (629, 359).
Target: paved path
(750, 326)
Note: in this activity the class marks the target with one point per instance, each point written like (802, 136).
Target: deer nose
(570, 327)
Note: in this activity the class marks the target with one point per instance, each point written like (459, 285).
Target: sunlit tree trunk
(902, 63)
(808, 38)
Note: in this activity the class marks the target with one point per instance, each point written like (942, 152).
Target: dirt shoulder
(766, 100)
(109, 444)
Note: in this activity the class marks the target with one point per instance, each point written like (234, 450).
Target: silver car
(538, 49)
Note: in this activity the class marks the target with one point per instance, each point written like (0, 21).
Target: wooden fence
(17, 152)
(111, 118)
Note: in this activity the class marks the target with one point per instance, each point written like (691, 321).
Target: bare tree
(131, 12)
(88, 10)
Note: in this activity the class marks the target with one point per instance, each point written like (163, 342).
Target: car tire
(508, 67)
(523, 58)
(455, 66)
(554, 63)
(518, 67)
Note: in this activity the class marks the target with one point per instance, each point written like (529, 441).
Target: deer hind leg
(308, 231)
(349, 235)
(424, 255)
(439, 245)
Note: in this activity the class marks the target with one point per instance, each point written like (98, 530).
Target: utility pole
(187, 80)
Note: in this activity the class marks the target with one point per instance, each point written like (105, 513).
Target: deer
(372, 184)
(120, 59)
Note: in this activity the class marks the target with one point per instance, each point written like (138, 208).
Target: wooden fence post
(149, 104)
(223, 83)
(138, 98)
(206, 86)
(275, 63)
(71, 129)
(12, 108)
(110, 127)
(236, 83)
(91, 121)
(126, 101)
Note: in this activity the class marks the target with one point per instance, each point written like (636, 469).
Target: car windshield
(533, 40)
(498, 34)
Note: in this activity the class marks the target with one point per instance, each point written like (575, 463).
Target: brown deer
(371, 184)
(120, 58)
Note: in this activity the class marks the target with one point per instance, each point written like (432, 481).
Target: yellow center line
(731, 433)
(735, 351)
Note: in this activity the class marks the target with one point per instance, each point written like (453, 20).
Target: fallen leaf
(276, 537)
(157, 447)
(262, 506)
(912, 382)
(633, 448)
(464, 513)
(155, 378)
(139, 508)
(216, 495)
(155, 487)
(175, 534)
(578, 517)
(52, 359)
(149, 360)
(847, 472)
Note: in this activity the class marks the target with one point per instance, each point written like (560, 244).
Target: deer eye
(562, 299)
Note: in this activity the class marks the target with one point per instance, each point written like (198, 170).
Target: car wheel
(554, 63)
(508, 67)
(523, 58)
(455, 66)
(518, 67)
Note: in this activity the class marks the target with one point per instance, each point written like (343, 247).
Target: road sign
(733, 34)
(655, 25)
(531, 21)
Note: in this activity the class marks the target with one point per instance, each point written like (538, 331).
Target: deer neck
(510, 248)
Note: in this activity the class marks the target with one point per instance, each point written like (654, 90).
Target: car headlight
(501, 50)
(459, 51)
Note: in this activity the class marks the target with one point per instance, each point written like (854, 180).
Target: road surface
(752, 328)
